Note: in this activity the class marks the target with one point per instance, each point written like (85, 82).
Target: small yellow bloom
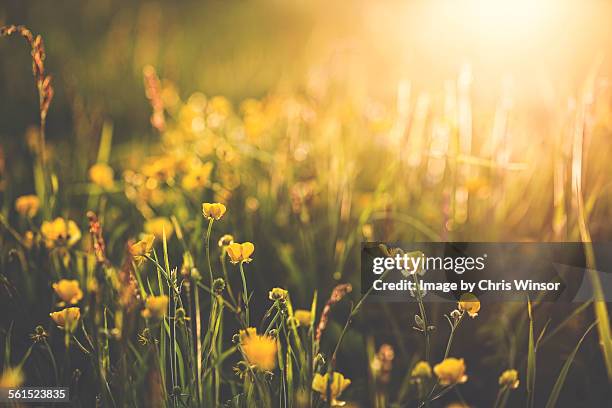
(28, 239)
(219, 105)
(157, 225)
(213, 210)
(11, 378)
(197, 177)
(259, 350)
(422, 369)
(102, 175)
(240, 252)
(469, 303)
(338, 385)
(27, 205)
(156, 307)
(509, 378)
(226, 240)
(68, 290)
(60, 232)
(278, 294)
(141, 249)
(451, 371)
(67, 319)
(303, 317)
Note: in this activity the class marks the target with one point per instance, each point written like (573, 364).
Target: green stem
(423, 315)
(210, 272)
(245, 294)
(451, 336)
(198, 324)
(226, 276)
(53, 362)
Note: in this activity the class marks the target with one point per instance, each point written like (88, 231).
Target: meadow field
(185, 188)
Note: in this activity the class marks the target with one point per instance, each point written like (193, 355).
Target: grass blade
(531, 360)
(554, 395)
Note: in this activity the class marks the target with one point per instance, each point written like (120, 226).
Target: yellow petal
(247, 250)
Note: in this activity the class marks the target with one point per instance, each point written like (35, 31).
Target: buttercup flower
(451, 371)
(11, 378)
(157, 225)
(422, 369)
(226, 240)
(509, 378)
(67, 319)
(259, 350)
(240, 252)
(303, 317)
(469, 303)
(197, 177)
(338, 385)
(28, 239)
(155, 307)
(102, 175)
(141, 249)
(60, 232)
(68, 290)
(213, 210)
(278, 294)
(27, 205)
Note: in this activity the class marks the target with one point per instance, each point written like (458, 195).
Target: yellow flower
(303, 317)
(157, 225)
(226, 240)
(28, 239)
(422, 369)
(240, 252)
(197, 177)
(469, 303)
(509, 378)
(451, 371)
(220, 105)
(27, 205)
(278, 294)
(213, 210)
(259, 350)
(67, 319)
(156, 307)
(102, 175)
(141, 249)
(68, 290)
(339, 384)
(60, 232)
(11, 378)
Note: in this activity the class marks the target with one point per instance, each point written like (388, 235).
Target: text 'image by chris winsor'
(306, 204)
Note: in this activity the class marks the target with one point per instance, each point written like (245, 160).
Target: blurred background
(544, 50)
(384, 120)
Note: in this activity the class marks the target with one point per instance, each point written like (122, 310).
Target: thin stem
(452, 334)
(198, 324)
(52, 361)
(245, 294)
(226, 276)
(423, 315)
(210, 272)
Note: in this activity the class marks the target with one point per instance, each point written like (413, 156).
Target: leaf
(554, 395)
(567, 320)
(7, 345)
(531, 358)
